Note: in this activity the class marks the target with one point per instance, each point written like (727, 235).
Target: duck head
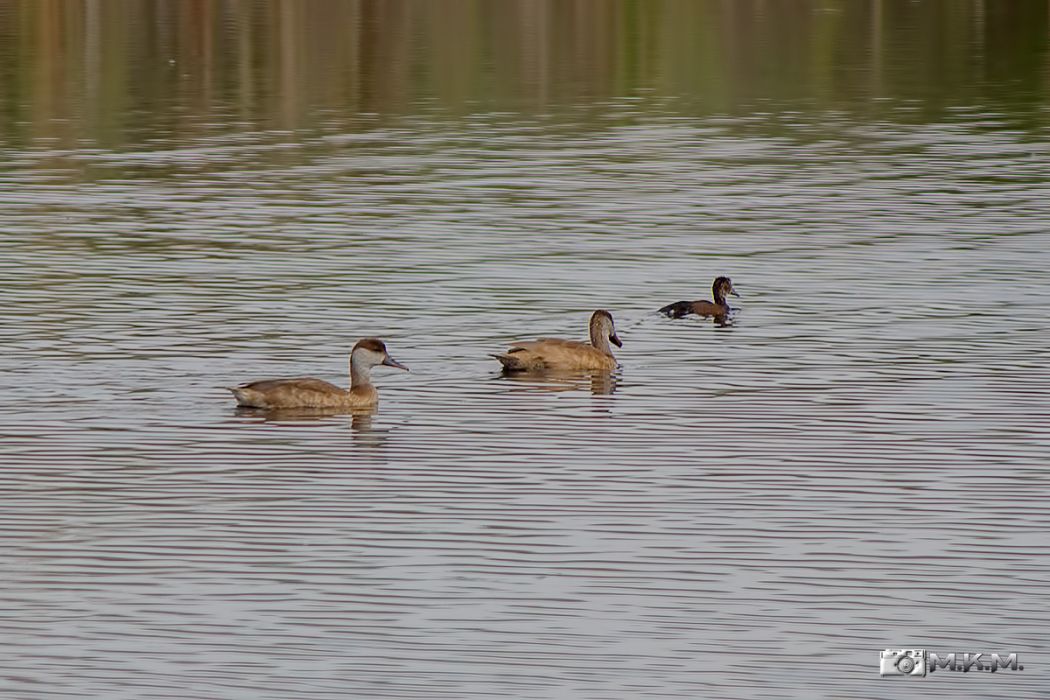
(370, 352)
(721, 287)
(603, 330)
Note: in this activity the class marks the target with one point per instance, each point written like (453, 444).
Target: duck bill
(734, 293)
(391, 362)
(616, 340)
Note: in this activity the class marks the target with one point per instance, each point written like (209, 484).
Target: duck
(308, 392)
(717, 308)
(557, 354)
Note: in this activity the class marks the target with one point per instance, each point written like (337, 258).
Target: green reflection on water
(110, 73)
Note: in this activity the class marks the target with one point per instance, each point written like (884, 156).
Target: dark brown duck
(716, 308)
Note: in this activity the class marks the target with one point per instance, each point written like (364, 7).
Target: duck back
(301, 392)
(554, 353)
(677, 309)
(700, 308)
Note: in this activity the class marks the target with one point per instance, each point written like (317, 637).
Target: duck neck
(719, 295)
(360, 372)
(600, 339)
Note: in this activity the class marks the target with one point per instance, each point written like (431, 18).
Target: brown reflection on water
(112, 72)
(361, 422)
(598, 383)
(292, 415)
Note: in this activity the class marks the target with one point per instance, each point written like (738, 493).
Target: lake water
(200, 194)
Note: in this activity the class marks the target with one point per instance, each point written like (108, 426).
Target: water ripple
(751, 511)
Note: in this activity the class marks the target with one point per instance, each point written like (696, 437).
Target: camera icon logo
(902, 662)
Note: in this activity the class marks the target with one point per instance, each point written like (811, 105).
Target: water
(752, 511)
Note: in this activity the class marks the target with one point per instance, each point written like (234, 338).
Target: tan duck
(307, 392)
(717, 308)
(557, 354)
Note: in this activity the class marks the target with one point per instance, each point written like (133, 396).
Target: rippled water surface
(858, 461)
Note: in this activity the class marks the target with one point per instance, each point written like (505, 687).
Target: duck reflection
(598, 383)
(364, 432)
(361, 422)
(725, 320)
(291, 415)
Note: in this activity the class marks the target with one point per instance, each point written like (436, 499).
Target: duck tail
(509, 362)
(677, 309)
(243, 395)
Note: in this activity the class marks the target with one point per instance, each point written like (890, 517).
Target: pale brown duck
(307, 392)
(556, 354)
